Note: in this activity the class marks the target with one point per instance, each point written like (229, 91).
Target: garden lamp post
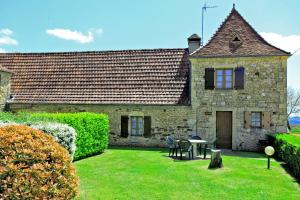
(269, 150)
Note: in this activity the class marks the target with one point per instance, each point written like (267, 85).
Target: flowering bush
(34, 166)
(63, 134)
(92, 128)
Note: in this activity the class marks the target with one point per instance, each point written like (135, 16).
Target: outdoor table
(195, 149)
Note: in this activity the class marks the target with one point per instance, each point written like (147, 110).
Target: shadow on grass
(242, 154)
(184, 158)
(287, 169)
(225, 152)
(130, 148)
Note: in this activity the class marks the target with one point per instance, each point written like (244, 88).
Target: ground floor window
(256, 120)
(137, 125)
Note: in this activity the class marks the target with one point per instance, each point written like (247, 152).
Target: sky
(93, 25)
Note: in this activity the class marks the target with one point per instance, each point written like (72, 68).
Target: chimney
(194, 42)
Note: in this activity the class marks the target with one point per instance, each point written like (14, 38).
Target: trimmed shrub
(34, 166)
(288, 149)
(63, 134)
(91, 128)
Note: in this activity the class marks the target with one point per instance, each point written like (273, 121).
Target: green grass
(296, 129)
(124, 173)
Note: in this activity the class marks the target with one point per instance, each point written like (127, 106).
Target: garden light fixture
(269, 150)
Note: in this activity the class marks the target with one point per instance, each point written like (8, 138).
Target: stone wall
(265, 90)
(165, 120)
(4, 88)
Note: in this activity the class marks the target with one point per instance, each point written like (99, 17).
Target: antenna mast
(204, 10)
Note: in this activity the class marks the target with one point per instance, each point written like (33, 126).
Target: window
(224, 78)
(256, 119)
(137, 125)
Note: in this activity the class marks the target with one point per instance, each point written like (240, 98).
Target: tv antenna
(204, 8)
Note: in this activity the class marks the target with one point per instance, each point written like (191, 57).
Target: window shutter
(239, 78)
(147, 126)
(124, 126)
(247, 119)
(209, 78)
(266, 120)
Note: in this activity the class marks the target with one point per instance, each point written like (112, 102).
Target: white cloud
(5, 37)
(5, 40)
(6, 31)
(77, 36)
(99, 31)
(289, 43)
(2, 50)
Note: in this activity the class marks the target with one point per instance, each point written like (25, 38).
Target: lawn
(296, 129)
(124, 173)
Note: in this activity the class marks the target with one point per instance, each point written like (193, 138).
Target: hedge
(288, 149)
(91, 128)
(34, 166)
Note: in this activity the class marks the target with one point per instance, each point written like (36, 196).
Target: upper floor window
(224, 78)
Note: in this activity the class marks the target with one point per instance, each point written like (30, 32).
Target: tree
(293, 102)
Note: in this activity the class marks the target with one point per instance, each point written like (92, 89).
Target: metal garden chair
(185, 146)
(172, 144)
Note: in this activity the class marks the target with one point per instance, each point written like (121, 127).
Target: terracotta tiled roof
(158, 76)
(236, 37)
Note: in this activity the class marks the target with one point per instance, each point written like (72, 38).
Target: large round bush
(34, 166)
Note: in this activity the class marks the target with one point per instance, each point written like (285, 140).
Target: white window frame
(255, 121)
(224, 80)
(137, 128)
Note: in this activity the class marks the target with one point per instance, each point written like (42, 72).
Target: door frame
(234, 145)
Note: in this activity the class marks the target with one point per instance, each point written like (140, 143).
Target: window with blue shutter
(239, 73)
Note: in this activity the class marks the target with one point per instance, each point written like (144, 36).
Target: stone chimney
(5, 76)
(194, 42)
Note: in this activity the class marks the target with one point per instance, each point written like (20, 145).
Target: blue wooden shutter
(239, 74)
(124, 126)
(209, 78)
(147, 126)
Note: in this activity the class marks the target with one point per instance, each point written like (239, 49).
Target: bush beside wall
(34, 166)
(64, 134)
(92, 130)
(288, 149)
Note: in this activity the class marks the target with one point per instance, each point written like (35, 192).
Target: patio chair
(185, 146)
(172, 144)
(196, 137)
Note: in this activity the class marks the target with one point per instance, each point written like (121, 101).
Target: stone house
(233, 89)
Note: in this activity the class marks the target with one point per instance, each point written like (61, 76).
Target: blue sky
(81, 25)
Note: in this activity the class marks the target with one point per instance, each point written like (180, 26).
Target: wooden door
(224, 130)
